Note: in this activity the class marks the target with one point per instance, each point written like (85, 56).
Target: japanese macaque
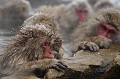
(99, 32)
(13, 14)
(29, 52)
(75, 13)
(69, 16)
(103, 4)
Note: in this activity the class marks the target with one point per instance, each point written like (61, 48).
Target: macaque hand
(88, 46)
(59, 66)
(103, 42)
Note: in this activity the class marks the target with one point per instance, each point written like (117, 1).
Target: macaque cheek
(82, 14)
(48, 55)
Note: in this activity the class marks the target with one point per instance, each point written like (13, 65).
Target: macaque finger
(63, 64)
(56, 67)
(92, 46)
(97, 48)
(59, 66)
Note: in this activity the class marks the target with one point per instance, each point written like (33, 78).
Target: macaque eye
(103, 27)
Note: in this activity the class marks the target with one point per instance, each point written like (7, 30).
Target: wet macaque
(79, 9)
(82, 12)
(75, 13)
(99, 32)
(29, 53)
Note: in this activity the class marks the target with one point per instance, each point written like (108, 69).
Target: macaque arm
(43, 63)
(102, 41)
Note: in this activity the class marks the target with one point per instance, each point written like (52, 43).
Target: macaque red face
(47, 51)
(107, 31)
(82, 14)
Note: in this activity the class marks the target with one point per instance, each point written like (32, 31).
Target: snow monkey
(100, 31)
(29, 52)
(76, 12)
(103, 4)
(13, 14)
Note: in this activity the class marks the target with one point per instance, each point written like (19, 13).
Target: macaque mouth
(82, 14)
(46, 50)
(107, 30)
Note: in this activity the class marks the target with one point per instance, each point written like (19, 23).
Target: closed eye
(104, 28)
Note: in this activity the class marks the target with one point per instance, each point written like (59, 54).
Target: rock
(81, 61)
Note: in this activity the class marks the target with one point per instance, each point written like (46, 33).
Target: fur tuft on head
(110, 15)
(81, 4)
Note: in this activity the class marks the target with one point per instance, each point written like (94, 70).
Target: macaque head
(103, 4)
(82, 9)
(49, 47)
(82, 14)
(42, 29)
(107, 30)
